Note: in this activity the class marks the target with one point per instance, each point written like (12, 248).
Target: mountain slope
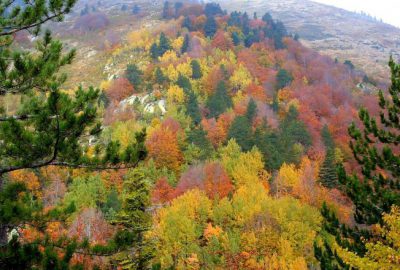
(332, 31)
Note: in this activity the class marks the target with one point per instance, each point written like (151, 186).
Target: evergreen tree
(184, 82)
(251, 111)
(49, 130)
(241, 131)
(185, 45)
(210, 27)
(154, 52)
(220, 101)
(134, 75)
(327, 138)
(135, 220)
(275, 103)
(327, 173)
(293, 132)
(377, 190)
(212, 9)
(268, 19)
(283, 79)
(187, 23)
(196, 70)
(349, 64)
(236, 38)
(164, 44)
(192, 107)
(379, 187)
(159, 76)
(267, 141)
(198, 137)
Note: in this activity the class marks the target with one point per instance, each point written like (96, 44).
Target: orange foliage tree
(217, 130)
(222, 41)
(162, 191)
(163, 148)
(120, 89)
(216, 183)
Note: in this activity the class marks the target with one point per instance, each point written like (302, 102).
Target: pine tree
(187, 23)
(159, 76)
(185, 45)
(154, 52)
(212, 9)
(220, 101)
(293, 132)
(327, 138)
(327, 173)
(184, 82)
(198, 137)
(49, 130)
(196, 70)
(241, 131)
(210, 27)
(164, 44)
(134, 75)
(192, 107)
(379, 187)
(251, 111)
(377, 190)
(236, 38)
(283, 79)
(135, 220)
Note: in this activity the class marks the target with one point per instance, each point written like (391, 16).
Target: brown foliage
(162, 192)
(211, 178)
(163, 147)
(217, 130)
(120, 89)
(256, 91)
(222, 41)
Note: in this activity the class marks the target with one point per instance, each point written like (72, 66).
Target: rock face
(149, 104)
(332, 31)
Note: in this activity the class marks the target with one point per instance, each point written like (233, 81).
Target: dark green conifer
(185, 45)
(251, 111)
(327, 172)
(154, 52)
(196, 70)
(134, 75)
(48, 129)
(192, 107)
(159, 76)
(135, 220)
(210, 27)
(184, 82)
(283, 79)
(241, 131)
(220, 101)
(187, 23)
(377, 190)
(164, 44)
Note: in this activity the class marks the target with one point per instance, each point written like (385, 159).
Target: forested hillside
(209, 140)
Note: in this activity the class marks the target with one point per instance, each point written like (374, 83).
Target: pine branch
(29, 26)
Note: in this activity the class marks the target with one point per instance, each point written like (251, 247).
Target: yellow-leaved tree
(241, 78)
(380, 255)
